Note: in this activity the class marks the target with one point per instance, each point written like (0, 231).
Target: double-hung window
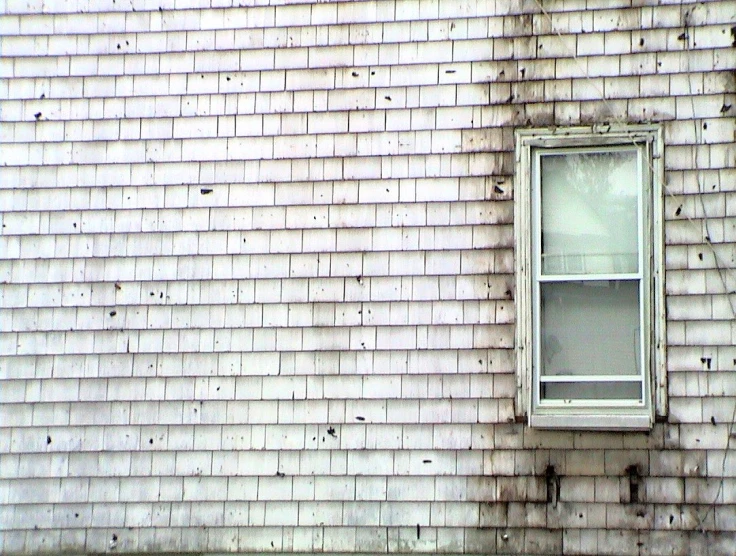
(590, 322)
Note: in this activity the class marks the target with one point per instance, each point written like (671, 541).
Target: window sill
(593, 421)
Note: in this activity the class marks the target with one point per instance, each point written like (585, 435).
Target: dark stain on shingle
(634, 481)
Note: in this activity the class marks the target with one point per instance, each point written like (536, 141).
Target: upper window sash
(572, 209)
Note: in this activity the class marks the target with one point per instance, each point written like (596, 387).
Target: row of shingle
(341, 82)
(321, 365)
(136, 316)
(188, 54)
(488, 15)
(298, 388)
(336, 489)
(283, 151)
(502, 459)
(447, 541)
(697, 122)
(291, 339)
(204, 219)
(492, 97)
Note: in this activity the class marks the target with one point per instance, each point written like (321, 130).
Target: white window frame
(605, 415)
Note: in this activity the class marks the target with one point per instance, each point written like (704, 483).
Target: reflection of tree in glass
(607, 182)
(590, 209)
(597, 176)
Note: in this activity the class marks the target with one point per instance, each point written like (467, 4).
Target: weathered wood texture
(257, 276)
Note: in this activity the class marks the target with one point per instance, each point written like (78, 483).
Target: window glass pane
(590, 328)
(591, 391)
(589, 210)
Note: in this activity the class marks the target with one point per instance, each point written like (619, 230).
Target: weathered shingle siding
(257, 276)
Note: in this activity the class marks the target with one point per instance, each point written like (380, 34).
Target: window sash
(539, 278)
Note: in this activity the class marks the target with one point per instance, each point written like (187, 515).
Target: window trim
(596, 137)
